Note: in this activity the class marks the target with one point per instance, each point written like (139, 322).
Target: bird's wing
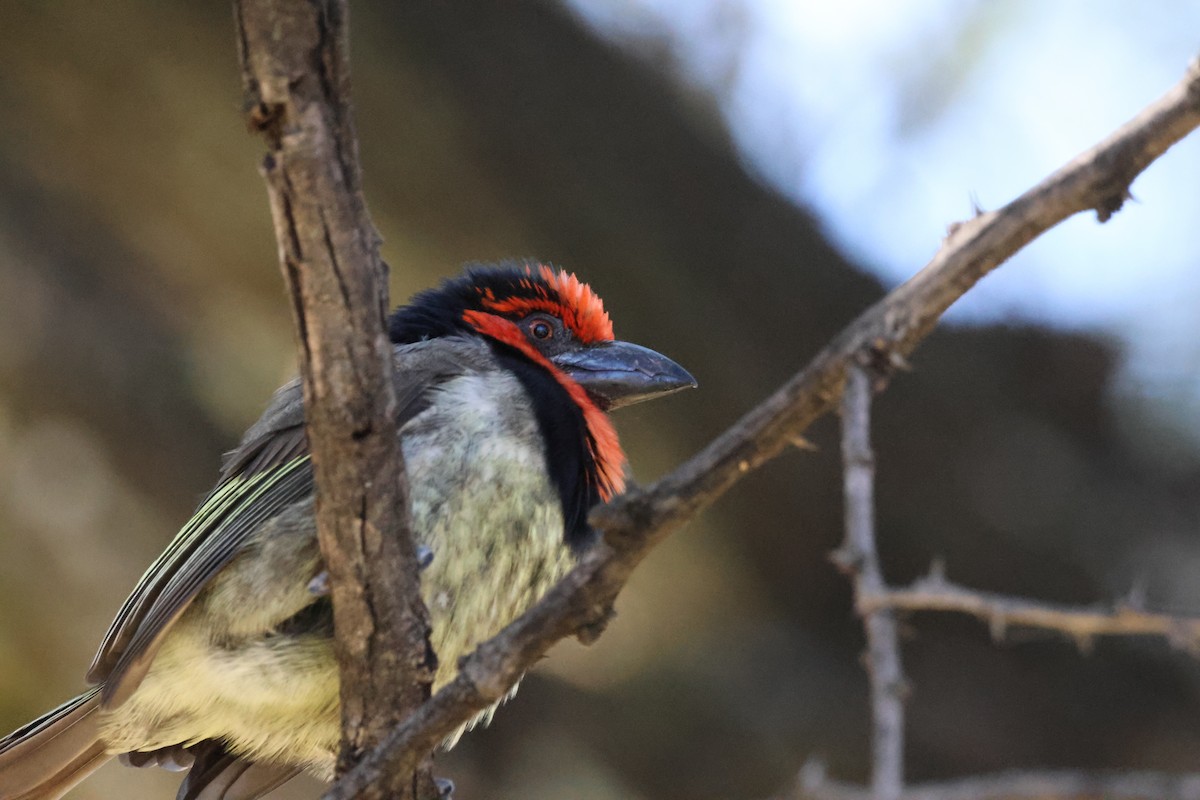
(269, 471)
(219, 528)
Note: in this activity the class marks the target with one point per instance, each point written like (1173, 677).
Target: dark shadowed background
(143, 326)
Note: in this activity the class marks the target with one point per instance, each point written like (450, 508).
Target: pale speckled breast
(482, 501)
(484, 504)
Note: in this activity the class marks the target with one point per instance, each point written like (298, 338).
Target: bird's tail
(44, 759)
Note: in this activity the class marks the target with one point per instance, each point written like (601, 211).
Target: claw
(319, 585)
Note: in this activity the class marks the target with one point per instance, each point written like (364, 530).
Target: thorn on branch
(898, 362)
(976, 207)
(847, 559)
(937, 573)
(801, 443)
(997, 627)
(1110, 205)
(1135, 600)
(589, 632)
(813, 774)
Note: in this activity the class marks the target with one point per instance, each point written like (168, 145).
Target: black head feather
(439, 311)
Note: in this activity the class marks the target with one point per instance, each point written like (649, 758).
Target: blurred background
(738, 179)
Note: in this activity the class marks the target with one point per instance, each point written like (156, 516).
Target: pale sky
(888, 119)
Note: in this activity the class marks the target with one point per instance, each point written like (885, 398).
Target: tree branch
(1001, 612)
(1016, 785)
(295, 71)
(637, 521)
(859, 558)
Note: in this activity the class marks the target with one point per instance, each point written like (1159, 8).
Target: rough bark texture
(296, 75)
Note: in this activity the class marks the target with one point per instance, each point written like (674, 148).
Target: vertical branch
(295, 71)
(858, 556)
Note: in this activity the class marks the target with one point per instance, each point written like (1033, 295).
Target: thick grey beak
(623, 373)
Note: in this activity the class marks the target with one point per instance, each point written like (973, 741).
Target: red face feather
(581, 310)
(562, 295)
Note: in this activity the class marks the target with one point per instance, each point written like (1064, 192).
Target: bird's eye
(541, 329)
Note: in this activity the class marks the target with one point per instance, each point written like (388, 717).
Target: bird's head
(552, 319)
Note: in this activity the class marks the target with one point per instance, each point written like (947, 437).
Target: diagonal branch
(1001, 612)
(637, 521)
(859, 557)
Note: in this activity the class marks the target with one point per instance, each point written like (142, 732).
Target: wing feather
(177, 582)
(215, 508)
(268, 471)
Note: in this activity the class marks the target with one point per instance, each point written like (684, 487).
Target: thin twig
(636, 522)
(859, 558)
(1001, 612)
(1016, 785)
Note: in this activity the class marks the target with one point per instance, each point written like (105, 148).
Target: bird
(221, 660)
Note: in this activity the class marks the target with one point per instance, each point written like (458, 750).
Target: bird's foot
(319, 585)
